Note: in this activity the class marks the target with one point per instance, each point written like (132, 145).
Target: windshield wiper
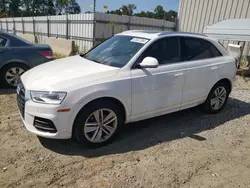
(94, 60)
(83, 56)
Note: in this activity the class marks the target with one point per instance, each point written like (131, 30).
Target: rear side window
(3, 42)
(214, 51)
(164, 50)
(195, 49)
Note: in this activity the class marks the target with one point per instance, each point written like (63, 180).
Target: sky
(142, 5)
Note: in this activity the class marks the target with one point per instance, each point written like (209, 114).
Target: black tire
(78, 128)
(4, 70)
(207, 104)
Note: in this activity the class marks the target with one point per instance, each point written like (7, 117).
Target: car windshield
(116, 51)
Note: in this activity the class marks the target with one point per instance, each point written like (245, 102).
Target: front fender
(97, 95)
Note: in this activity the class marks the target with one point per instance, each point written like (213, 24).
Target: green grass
(58, 56)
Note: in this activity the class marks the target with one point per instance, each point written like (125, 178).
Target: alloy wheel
(100, 125)
(218, 98)
(12, 75)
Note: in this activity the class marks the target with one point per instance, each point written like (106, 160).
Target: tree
(51, 10)
(26, 6)
(128, 9)
(150, 14)
(131, 8)
(124, 10)
(61, 6)
(117, 11)
(73, 7)
(37, 7)
(141, 14)
(159, 12)
(14, 8)
(67, 6)
(34, 7)
(171, 15)
(144, 14)
(3, 8)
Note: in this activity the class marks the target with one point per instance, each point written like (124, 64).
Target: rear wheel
(11, 73)
(98, 124)
(217, 98)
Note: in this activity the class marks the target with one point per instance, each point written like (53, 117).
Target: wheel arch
(6, 67)
(207, 103)
(117, 100)
(227, 82)
(14, 62)
(224, 80)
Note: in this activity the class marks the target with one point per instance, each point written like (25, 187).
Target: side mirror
(149, 62)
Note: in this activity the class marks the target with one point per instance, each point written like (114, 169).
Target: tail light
(47, 54)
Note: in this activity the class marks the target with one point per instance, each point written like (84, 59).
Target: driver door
(156, 91)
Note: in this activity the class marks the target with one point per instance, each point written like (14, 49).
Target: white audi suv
(132, 76)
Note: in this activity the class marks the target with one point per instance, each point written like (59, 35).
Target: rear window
(195, 49)
(16, 40)
(21, 39)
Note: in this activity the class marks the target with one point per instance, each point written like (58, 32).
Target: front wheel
(98, 123)
(217, 98)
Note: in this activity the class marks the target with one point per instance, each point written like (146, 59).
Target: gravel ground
(183, 149)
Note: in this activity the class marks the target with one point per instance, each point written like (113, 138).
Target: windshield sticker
(138, 40)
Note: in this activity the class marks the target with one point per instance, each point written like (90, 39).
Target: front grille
(21, 99)
(44, 125)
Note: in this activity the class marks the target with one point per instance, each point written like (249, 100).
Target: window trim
(7, 41)
(134, 66)
(216, 50)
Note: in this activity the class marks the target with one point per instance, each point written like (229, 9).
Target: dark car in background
(17, 56)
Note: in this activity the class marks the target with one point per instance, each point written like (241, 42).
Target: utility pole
(94, 6)
(94, 22)
(67, 22)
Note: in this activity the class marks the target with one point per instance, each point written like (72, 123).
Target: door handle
(213, 68)
(179, 74)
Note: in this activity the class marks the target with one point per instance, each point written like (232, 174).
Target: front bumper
(60, 120)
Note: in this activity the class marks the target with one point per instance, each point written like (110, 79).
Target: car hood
(63, 74)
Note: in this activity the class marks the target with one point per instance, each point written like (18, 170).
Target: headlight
(47, 97)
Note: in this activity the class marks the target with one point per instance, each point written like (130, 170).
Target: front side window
(3, 42)
(195, 49)
(164, 50)
(116, 51)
